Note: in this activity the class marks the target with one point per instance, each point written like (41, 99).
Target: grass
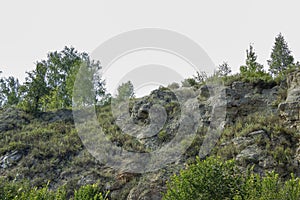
(278, 141)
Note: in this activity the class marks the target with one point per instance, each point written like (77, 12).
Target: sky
(224, 29)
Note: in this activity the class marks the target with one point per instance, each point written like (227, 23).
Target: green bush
(23, 191)
(208, 179)
(269, 187)
(214, 179)
(89, 192)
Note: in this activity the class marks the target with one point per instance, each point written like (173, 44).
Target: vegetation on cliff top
(36, 124)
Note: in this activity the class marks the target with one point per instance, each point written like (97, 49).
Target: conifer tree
(252, 66)
(281, 57)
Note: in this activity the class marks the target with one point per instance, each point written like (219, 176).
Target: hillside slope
(261, 128)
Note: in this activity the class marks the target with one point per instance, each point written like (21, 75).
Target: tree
(189, 82)
(9, 91)
(252, 66)
(89, 88)
(35, 88)
(125, 91)
(50, 85)
(224, 70)
(201, 76)
(253, 71)
(281, 56)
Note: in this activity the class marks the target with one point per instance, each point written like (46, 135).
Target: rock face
(10, 159)
(290, 109)
(246, 98)
(240, 99)
(254, 148)
(154, 120)
(250, 154)
(293, 82)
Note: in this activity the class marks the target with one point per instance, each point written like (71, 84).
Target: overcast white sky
(224, 29)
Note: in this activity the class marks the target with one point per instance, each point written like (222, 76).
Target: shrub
(269, 187)
(163, 136)
(89, 192)
(189, 82)
(22, 190)
(173, 86)
(208, 179)
(214, 179)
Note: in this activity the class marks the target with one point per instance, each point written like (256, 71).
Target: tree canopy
(9, 91)
(125, 91)
(50, 85)
(252, 66)
(281, 57)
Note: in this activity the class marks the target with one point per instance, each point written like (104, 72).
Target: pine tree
(252, 66)
(281, 57)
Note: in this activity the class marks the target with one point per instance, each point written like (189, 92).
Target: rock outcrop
(290, 109)
(10, 159)
(153, 121)
(246, 98)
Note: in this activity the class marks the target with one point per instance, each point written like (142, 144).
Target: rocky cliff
(259, 121)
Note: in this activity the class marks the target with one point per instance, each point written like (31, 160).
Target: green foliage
(163, 136)
(50, 85)
(232, 78)
(223, 70)
(48, 145)
(9, 91)
(252, 65)
(253, 71)
(270, 187)
(89, 192)
(208, 179)
(173, 86)
(9, 190)
(125, 91)
(35, 88)
(16, 191)
(214, 179)
(88, 86)
(256, 187)
(189, 82)
(23, 191)
(196, 81)
(282, 95)
(45, 146)
(201, 76)
(278, 142)
(114, 133)
(281, 57)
